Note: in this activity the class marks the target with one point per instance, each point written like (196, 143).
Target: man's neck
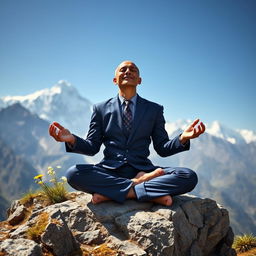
(127, 93)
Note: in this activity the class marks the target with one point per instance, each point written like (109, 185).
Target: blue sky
(197, 58)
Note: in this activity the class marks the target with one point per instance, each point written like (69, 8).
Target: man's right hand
(59, 133)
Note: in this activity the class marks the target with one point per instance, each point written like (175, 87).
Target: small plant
(244, 243)
(29, 196)
(35, 232)
(55, 191)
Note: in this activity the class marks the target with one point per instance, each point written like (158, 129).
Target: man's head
(127, 74)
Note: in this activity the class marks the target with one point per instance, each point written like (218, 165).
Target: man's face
(127, 74)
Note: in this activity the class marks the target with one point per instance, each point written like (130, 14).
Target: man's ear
(114, 80)
(140, 80)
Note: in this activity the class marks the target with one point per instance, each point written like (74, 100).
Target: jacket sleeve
(91, 145)
(161, 142)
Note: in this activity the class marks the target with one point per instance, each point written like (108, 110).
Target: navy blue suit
(125, 156)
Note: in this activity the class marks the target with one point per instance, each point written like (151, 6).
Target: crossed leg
(139, 178)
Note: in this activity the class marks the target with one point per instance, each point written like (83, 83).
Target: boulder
(17, 216)
(191, 226)
(21, 247)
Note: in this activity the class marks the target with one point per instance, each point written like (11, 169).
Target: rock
(191, 226)
(17, 216)
(21, 247)
(58, 236)
(90, 237)
(151, 231)
(107, 212)
(13, 207)
(126, 247)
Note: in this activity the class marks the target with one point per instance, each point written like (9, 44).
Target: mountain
(223, 158)
(27, 135)
(16, 174)
(26, 149)
(61, 103)
(216, 129)
(3, 206)
(64, 104)
(233, 136)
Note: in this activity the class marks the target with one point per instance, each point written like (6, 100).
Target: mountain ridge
(223, 159)
(49, 104)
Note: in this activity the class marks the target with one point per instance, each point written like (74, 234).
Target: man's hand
(59, 133)
(192, 131)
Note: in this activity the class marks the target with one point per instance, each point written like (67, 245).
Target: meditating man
(126, 125)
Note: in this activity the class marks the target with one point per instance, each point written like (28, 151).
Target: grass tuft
(28, 197)
(244, 243)
(54, 190)
(35, 232)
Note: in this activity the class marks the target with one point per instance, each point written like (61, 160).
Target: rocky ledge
(191, 226)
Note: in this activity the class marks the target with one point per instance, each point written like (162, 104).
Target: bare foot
(163, 200)
(139, 178)
(98, 198)
(143, 176)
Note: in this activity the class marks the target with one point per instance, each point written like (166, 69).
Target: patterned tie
(127, 116)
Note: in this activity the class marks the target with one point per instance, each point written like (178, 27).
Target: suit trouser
(116, 184)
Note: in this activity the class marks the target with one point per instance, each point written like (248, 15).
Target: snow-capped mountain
(231, 135)
(216, 129)
(249, 136)
(61, 103)
(223, 158)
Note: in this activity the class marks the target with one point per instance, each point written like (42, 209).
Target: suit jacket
(106, 127)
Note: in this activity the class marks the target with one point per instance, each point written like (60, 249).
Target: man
(126, 124)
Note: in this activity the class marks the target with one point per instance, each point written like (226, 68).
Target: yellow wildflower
(40, 182)
(38, 176)
(64, 179)
(51, 172)
(50, 168)
(58, 166)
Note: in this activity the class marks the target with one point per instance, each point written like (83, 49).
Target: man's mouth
(127, 77)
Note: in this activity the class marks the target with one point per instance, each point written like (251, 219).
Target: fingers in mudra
(195, 129)
(52, 130)
(58, 132)
(199, 129)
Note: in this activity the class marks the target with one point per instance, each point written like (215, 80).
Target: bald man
(126, 125)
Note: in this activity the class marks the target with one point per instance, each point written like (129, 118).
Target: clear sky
(197, 58)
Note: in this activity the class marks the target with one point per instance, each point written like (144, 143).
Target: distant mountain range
(26, 149)
(224, 158)
(61, 103)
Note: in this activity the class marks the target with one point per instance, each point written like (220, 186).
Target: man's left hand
(192, 131)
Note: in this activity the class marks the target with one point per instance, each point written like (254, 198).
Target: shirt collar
(133, 99)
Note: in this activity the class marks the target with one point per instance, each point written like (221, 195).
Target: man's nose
(128, 71)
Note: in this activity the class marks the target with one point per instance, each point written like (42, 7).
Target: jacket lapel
(116, 111)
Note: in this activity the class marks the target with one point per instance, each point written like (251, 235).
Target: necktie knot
(127, 103)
